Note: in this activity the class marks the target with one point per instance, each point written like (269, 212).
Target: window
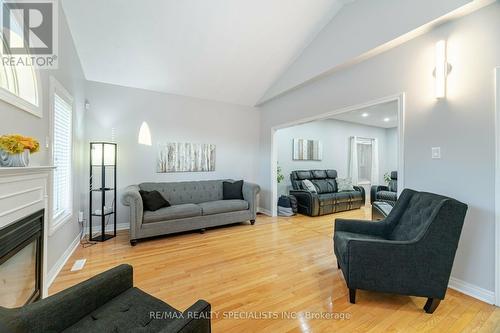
(364, 160)
(62, 154)
(19, 86)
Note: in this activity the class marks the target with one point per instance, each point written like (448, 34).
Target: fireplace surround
(24, 198)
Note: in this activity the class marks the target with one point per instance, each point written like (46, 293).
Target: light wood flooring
(278, 267)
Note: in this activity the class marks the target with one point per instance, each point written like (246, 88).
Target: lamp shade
(144, 134)
(97, 153)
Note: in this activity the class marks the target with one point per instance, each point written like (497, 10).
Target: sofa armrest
(308, 202)
(374, 190)
(362, 190)
(250, 192)
(360, 226)
(132, 198)
(195, 319)
(58, 312)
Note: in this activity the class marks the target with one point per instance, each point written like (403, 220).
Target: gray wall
(14, 120)
(233, 129)
(334, 136)
(462, 125)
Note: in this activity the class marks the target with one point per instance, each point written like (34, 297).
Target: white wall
(233, 129)
(14, 120)
(334, 136)
(462, 125)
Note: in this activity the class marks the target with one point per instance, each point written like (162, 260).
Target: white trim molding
(472, 290)
(497, 186)
(264, 211)
(63, 259)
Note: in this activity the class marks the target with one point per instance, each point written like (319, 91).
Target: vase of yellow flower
(15, 150)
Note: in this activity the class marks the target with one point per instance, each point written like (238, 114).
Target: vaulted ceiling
(223, 50)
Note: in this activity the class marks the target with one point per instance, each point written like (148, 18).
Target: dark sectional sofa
(328, 199)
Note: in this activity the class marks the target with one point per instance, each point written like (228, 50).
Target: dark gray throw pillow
(232, 191)
(153, 200)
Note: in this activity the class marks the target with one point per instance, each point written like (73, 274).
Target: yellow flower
(15, 144)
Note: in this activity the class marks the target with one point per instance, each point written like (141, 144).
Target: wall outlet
(80, 216)
(436, 153)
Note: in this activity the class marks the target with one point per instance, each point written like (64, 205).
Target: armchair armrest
(393, 266)
(362, 190)
(360, 226)
(58, 312)
(250, 192)
(195, 319)
(374, 190)
(132, 198)
(308, 202)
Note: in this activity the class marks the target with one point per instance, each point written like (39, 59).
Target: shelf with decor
(102, 173)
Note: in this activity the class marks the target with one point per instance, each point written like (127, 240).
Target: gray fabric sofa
(107, 302)
(195, 206)
(410, 252)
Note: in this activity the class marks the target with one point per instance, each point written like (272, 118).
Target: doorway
(353, 153)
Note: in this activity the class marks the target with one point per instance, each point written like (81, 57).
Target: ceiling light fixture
(387, 120)
(364, 115)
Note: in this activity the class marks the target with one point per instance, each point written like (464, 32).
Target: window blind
(62, 154)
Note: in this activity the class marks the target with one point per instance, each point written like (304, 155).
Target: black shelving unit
(102, 163)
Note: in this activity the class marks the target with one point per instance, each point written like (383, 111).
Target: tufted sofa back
(187, 192)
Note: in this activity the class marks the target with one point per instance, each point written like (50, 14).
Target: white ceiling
(383, 115)
(223, 50)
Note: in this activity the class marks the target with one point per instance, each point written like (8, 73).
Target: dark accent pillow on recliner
(153, 200)
(232, 191)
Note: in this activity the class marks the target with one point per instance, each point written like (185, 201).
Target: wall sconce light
(144, 134)
(442, 69)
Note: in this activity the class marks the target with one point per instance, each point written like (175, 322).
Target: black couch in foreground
(410, 252)
(107, 302)
(328, 199)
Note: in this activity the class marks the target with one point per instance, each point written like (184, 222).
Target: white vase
(14, 160)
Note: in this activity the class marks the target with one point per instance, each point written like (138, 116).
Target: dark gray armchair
(107, 302)
(410, 252)
(388, 194)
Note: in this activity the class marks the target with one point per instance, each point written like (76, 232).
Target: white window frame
(56, 222)
(368, 142)
(21, 103)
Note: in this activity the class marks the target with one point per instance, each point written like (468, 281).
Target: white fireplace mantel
(24, 191)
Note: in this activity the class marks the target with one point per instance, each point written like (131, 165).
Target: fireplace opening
(21, 246)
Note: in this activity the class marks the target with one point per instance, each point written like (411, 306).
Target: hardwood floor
(281, 265)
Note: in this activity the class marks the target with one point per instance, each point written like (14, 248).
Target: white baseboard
(479, 293)
(54, 271)
(264, 211)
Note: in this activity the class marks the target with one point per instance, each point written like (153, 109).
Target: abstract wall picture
(185, 157)
(307, 150)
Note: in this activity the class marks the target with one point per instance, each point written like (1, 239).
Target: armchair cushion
(130, 311)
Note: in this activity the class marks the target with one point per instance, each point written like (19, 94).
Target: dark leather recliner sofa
(328, 199)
